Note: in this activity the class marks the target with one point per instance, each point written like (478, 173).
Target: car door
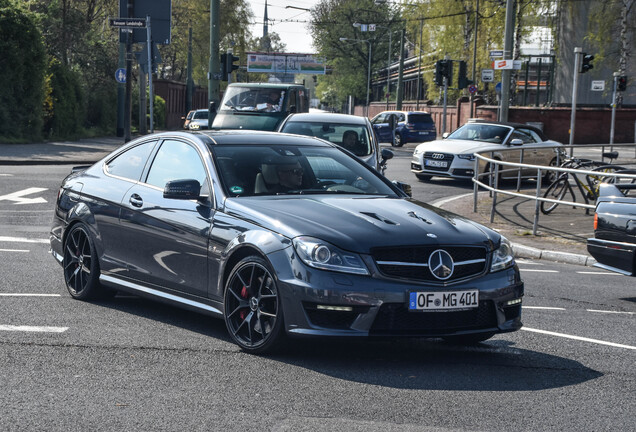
(168, 238)
(381, 126)
(530, 152)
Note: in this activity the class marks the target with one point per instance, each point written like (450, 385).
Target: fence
(495, 170)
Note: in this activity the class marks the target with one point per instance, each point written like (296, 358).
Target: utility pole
(575, 87)
(419, 69)
(616, 75)
(472, 95)
(508, 47)
(121, 91)
(400, 85)
(128, 96)
(214, 73)
(190, 82)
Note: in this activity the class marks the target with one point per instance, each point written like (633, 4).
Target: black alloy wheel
(81, 268)
(253, 311)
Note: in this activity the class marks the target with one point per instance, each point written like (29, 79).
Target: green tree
(335, 19)
(22, 73)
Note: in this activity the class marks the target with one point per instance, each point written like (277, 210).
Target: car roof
(327, 118)
(265, 85)
(509, 124)
(405, 112)
(237, 136)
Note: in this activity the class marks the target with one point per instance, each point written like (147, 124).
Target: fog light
(470, 172)
(513, 302)
(335, 308)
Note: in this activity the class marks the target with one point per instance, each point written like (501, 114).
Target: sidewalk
(561, 235)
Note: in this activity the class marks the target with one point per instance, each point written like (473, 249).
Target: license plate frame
(422, 301)
(436, 163)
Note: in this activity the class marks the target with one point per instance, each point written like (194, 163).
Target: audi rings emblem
(441, 264)
(437, 156)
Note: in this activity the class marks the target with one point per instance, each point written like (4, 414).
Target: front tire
(253, 307)
(397, 141)
(81, 267)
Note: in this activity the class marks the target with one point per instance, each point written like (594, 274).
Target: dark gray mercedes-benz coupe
(280, 235)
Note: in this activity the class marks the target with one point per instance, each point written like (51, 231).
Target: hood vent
(380, 218)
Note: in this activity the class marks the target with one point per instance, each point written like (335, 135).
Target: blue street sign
(498, 87)
(120, 75)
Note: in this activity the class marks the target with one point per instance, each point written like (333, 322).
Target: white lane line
(579, 338)
(522, 261)
(611, 312)
(441, 202)
(28, 295)
(599, 273)
(6, 175)
(542, 307)
(22, 240)
(539, 270)
(14, 250)
(33, 329)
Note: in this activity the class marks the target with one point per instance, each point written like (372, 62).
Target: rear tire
(398, 142)
(551, 176)
(81, 267)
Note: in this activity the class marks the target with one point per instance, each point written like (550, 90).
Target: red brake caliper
(244, 294)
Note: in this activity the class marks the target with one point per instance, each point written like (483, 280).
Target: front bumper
(321, 303)
(457, 168)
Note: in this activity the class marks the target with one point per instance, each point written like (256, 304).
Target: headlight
(418, 151)
(319, 254)
(503, 257)
(470, 156)
(194, 126)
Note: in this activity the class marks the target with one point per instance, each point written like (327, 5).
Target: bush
(68, 111)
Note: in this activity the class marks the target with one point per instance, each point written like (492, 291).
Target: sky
(293, 34)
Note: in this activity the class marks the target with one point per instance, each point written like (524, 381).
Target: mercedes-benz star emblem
(441, 264)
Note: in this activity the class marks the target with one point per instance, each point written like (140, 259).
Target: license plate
(436, 163)
(443, 300)
(424, 133)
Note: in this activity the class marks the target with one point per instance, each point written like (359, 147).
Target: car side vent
(380, 218)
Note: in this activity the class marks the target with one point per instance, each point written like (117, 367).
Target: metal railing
(493, 175)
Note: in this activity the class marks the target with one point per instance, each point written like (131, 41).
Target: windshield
(201, 114)
(481, 132)
(253, 99)
(354, 138)
(294, 170)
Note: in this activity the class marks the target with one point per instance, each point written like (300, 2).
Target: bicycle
(588, 189)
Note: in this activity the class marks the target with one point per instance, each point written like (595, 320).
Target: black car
(614, 242)
(280, 235)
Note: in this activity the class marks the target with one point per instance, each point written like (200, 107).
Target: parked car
(411, 126)
(614, 242)
(198, 120)
(187, 118)
(279, 235)
(454, 156)
(351, 132)
(259, 106)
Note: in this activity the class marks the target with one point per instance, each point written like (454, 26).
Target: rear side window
(420, 118)
(130, 164)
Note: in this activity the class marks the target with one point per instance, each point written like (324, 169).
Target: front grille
(448, 158)
(406, 262)
(395, 319)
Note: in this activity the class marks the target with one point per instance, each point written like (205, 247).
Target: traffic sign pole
(616, 74)
(575, 87)
(150, 92)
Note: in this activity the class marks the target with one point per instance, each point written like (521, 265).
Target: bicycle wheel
(555, 191)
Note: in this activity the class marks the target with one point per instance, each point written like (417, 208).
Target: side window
(292, 102)
(380, 119)
(130, 164)
(400, 117)
(176, 160)
(524, 135)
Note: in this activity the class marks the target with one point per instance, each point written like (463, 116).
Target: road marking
(522, 261)
(6, 175)
(33, 329)
(18, 197)
(579, 338)
(542, 307)
(28, 295)
(441, 202)
(611, 312)
(22, 240)
(539, 270)
(14, 250)
(599, 273)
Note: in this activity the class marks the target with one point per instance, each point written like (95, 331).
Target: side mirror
(404, 187)
(386, 154)
(445, 135)
(182, 189)
(516, 142)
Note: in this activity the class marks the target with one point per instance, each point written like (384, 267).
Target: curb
(522, 251)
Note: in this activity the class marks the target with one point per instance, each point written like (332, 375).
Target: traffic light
(586, 64)
(231, 58)
(223, 67)
(621, 83)
(443, 69)
(462, 81)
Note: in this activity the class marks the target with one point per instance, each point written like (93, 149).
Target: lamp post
(342, 39)
(388, 62)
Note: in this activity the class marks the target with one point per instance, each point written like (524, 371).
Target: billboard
(284, 63)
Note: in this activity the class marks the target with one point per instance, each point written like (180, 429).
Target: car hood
(358, 224)
(457, 146)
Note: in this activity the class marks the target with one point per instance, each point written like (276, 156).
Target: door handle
(136, 200)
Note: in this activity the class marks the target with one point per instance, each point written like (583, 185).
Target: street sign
(472, 88)
(487, 75)
(502, 64)
(120, 75)
(498, 87)
(598, 85)
(127, 22)
(371, 27)
(516, 64)
(496, 53)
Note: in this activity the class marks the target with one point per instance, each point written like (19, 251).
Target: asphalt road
(133, 364)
